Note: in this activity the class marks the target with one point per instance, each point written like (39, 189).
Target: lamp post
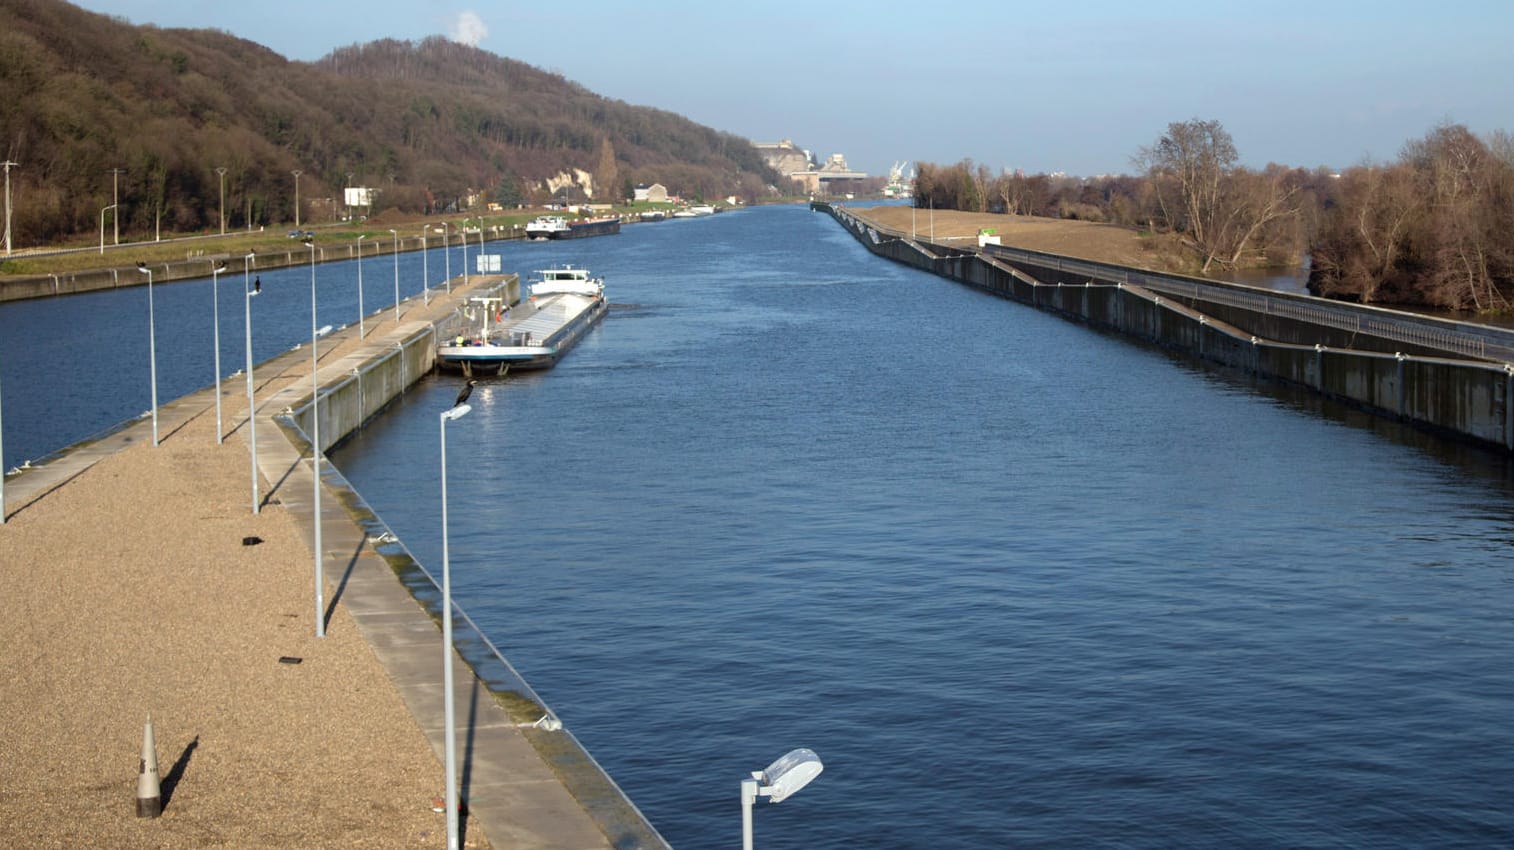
(215, 306)
(425, 267)
(778, 782)
(222, 173)
(465, 252)
(396, 234)
(115, 201)
(297, 174)
(8, 165)
(252, 428)
(447, 252)
(450, 732)
(360, 332)
(102, 226)
(315, 448)
(152, 350)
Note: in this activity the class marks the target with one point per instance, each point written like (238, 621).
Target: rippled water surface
(1018, 583)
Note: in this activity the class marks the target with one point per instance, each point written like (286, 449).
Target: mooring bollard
(149, 793)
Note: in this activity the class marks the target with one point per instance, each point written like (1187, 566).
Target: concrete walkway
(510, 788)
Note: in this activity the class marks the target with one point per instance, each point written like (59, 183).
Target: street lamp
(396, 276)
(296, 174)
(8, 165)
(465, 252)
(456, 412)
(152, 350)
(215, 306)
(447, 251)
(222, 173)
(315, 452)
(425, 266)
(360, 332)
(102, 226)
(778, 782)
(252, 428)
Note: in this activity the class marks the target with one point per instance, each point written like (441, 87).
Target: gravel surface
(131, 593)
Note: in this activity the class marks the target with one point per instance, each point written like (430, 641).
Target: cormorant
(463, 394)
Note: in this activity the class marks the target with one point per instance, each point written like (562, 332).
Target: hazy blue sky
(1074, 86)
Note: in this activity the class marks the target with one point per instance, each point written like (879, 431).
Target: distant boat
(546, 227)
(653, 215)
(695, 211)
(564, 304)
(558, 227)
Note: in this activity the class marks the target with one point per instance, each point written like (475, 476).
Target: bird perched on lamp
(462, 395)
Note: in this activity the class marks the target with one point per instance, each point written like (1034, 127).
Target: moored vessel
(493, 337)
(560, 227)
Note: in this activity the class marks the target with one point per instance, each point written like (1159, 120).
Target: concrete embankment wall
(1400, 378)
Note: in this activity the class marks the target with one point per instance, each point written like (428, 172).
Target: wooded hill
(427, 124)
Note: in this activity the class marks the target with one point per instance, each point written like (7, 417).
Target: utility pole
(115, 201)
(296, 197)
(222, 172)
(8, 165)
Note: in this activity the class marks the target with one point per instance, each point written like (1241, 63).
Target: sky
(1076, 86)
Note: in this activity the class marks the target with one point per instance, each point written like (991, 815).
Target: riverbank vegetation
(1429, 229)
(1435, 227)
(171, 127)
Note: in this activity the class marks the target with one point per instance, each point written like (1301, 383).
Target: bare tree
(1219, 209)
(1197, 155)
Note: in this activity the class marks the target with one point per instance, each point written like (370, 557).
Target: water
(72, 368)
(1018, 583)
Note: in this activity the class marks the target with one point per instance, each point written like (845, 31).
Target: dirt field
(1105, 243)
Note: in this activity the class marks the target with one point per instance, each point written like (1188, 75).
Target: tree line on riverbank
(1431, 228)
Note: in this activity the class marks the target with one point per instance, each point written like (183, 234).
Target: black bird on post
(462, 395)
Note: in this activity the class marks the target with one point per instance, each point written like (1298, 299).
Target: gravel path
(130, 592)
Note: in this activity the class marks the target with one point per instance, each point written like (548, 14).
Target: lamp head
(309, 243)
(142, 267)
(796, 769)
(456, 412)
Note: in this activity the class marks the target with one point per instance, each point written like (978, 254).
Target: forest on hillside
(93, 109)
(1435, 227)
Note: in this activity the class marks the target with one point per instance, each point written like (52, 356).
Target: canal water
(73, 368)
(1018, 583)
